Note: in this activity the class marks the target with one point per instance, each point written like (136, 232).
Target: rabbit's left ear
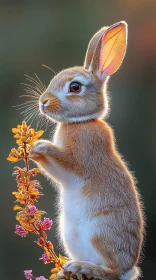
(109, 50)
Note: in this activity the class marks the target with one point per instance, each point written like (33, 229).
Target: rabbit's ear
(92, 47)
(110, 50)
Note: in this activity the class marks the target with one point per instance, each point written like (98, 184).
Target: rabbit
(101, 215)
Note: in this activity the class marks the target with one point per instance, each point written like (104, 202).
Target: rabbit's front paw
(40, 149)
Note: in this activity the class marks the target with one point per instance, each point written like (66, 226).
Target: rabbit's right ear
(106, 50)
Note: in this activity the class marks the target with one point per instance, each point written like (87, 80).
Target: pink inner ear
(113, 49)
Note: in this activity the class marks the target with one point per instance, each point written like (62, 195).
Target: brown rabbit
(101, 221)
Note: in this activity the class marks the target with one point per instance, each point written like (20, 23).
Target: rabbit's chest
(73, 207)
(76, 228)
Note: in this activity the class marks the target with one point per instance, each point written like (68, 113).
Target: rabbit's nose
(44, 102)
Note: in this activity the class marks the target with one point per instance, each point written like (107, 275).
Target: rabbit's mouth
(42, 109)
(53, 115)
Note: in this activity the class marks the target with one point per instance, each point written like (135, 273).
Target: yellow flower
(63, 259)
(53, 276)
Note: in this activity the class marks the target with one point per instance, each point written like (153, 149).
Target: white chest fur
(76, 227)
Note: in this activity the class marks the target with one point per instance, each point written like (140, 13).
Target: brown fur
(73, 97)
(86, 148)
(54, 105)
(68, 75)
(103, 212)
(100, 244)
(103, 178)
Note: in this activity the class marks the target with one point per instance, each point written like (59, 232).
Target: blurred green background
(56, 33)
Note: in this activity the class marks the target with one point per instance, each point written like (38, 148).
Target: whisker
(41, 117)
(26, 106)
(32, 92)
(29, 78)
(28, 110)
(30, 86)
(27, 102)
(38, 122)
(32, 106)
(48, 68)
(27, 95)
(29, 116)
(33, 118)
(44, 87)
(38, 86)
(47, 123)
(52, 129)
(44, 121)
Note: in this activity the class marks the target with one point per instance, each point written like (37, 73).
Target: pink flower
(21, 231)
(47, 223)
(45, 257)
(32, 209)
(41, 278)
(28, 274)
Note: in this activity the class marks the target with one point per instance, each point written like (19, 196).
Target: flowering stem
(29, 217)
(26, 161)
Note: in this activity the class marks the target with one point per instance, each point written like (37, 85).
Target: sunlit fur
(101, 221)
(90, 103)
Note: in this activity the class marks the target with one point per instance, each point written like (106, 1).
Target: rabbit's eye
(75, 87)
